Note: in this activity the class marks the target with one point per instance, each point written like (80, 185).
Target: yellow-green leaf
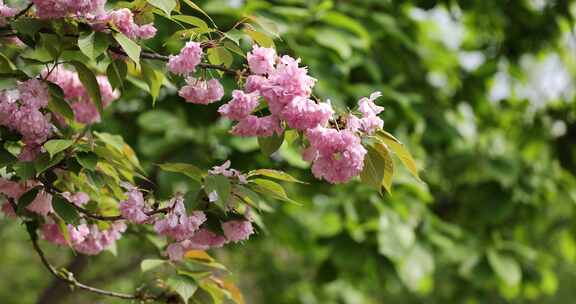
(400, 150)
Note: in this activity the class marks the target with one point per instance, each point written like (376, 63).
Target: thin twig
(72, 281)
(24, 11)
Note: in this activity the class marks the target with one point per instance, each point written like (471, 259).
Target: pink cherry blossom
(6, 11)
(97, 240)
(34, 93)
(85, 112)
(52, 233)
(50, 9)
(240, 106)
(176, 251)
(8, 210)
(134, 208)
(186, 62)
(29, 152)
(42, 204)
(79, 198)
(202, 92)
(33, 125)
(261, 60)
(367, 107)
(257, 126)
(255, 83)
(177, 224)
(123, 20)
(205, 239)
(8, 108)
(337, 156)
(303, 113)
(12, 189)
(236, 231)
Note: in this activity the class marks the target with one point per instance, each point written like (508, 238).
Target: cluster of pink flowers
(369, 122)
(196, 91)
(85, 238)
(85, 110)
(184, 229)
(285, 86)
(51, 9)
(6, 12)
(225, 170)
(20, 110)
(123, 20)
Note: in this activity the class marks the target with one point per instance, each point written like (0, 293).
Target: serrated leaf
(116, 72)
(149, 264)
(388, 166)
(89, 81)
(167, 6)
(220, 56)
(505, 267)
(131, 48)
(195, 21)
(24, 170)
(63, 229)
(64, 209)
(57, 145)
(270, 144)
(270, 188)
(373, 172)
(400, 150)
(197, 8)
(45, 162)
(6, 158)
(248, 196)
(154, 79)
(93, 44)
(185, 287)
(26, 199)
(260, 38)
(87, 160)
(275, 174)
(6, 66)
(57, 104)
(219, 184)
(187, 169)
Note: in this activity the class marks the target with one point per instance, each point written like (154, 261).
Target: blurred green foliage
(480, 91)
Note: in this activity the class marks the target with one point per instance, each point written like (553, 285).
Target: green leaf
(6, 158)
(154, 79)
(270, 144)
(167, 6)
(87, 160)
(250, 197)
(342, 21)
(260, 38)
(221, 185)
(270, 188)
(220, 56)
(93, 44)
(149, 264)
(57, 145)
(505, 267)
(6, 66)
(63, 229)
(64, 209)
(25, 200)
(279, 175)
(116, 72)
(29, 26)
(131, 48)
(89, 81)
(24, 170)
(45, 162)
(400, 150)
(197, 8)
(187, 169)
(195, 21)
(184, 286)
(373, 172)
(388, 166)
(335, 40)
(57, 104)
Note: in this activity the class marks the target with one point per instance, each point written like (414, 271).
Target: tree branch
(24, 11)
(72, 281)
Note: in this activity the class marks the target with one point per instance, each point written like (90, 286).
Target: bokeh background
(481, 91)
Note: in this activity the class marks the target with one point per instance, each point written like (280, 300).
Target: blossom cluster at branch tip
(201, 91)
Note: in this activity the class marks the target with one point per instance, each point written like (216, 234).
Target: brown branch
(24, 11)
(154, 56)
(72, 281)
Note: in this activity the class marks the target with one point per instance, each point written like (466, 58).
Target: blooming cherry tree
(79, 189)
